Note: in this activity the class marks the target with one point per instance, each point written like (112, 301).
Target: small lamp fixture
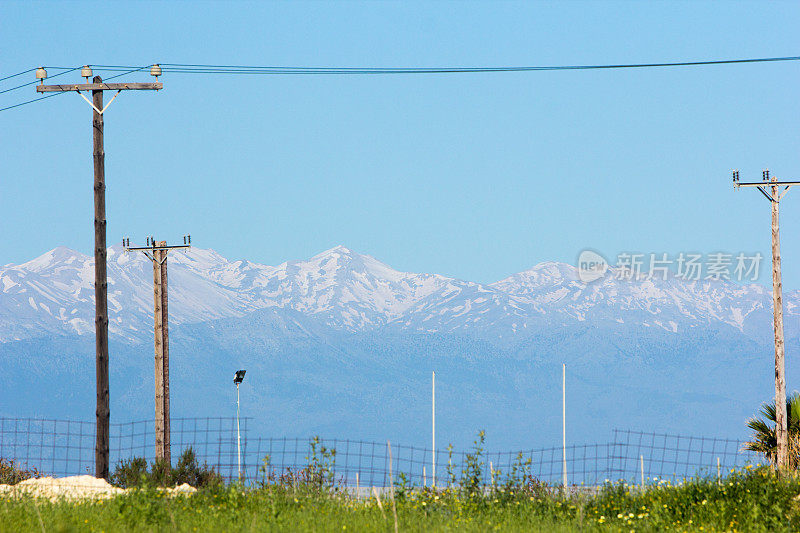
(238, 378)
(86, 72)
(41, 74)
(155, 70)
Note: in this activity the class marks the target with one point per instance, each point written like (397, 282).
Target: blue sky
(477, 176)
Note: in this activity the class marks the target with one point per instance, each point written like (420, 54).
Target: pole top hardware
(151, 245)
(766, 181)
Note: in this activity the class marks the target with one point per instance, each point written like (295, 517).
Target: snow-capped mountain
(344, 290)
(343, 345)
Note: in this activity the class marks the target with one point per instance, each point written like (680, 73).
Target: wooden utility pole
(157, 253)
(102, 411)
(161, 380)
(781, 423)
(769, 187)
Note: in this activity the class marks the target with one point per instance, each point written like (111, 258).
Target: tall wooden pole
(165, 349)
(781, 432)
(769, 187)
(103, 411)
(157, 253)
(158, 331)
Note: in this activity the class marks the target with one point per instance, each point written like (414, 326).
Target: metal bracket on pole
(99, 111)
(768, 195)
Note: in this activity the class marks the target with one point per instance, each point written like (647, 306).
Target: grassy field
(753, 499)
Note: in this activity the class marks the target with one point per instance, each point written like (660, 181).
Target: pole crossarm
(763, 183)
(150, 248)
(100, 87)
(149, 251)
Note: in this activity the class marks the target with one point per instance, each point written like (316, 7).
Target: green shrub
(188, 470)
(11, 472)
(317, 477)
(134, 473)
(471, 481)
(130, 473)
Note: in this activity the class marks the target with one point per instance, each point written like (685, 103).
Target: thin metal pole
(433, 429)
(238, 436)
(391, 486)
(564, 420)
(641, 462)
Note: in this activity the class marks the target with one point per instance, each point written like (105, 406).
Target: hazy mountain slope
(342, 344)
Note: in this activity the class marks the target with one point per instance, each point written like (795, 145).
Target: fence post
(641, 463)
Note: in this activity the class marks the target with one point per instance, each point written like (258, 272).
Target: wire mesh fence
(66, 447)
(62, 447)
(636, 454)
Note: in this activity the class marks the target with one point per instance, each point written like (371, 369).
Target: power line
(249, 69)
(17, 74)
(67, 69)
(198, 68)
(37, 81)
(29, 101)
(195, 68)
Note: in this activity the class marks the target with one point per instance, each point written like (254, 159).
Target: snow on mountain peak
(57, 257)
(549, 273)
(350, 291)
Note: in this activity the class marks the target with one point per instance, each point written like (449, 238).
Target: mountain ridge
(53, 294)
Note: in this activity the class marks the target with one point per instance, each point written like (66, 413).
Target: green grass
(748, 500)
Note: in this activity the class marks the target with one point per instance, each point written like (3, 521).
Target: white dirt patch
(69, 488)
(76, 488)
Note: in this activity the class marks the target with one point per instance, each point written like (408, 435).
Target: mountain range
(343, 344)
